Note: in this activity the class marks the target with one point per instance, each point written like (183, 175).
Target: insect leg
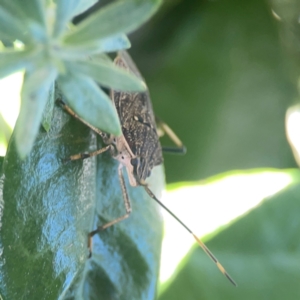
(72, 113)
(180, 149)
(87, 155)
(102, 134)
(113, 222)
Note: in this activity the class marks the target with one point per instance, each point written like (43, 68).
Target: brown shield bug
(138, 149)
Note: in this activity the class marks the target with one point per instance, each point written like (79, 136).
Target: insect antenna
(201, 244)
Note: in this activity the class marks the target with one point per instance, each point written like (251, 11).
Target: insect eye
(135, 161)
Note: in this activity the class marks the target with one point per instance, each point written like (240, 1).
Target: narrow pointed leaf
(66, 10)
(110, 44)
(83, 5)
(48, 207)
(109, 75)
(10, 26)
(15, 60)
(119, 17)
(34, 10)
(34, 96)
(90, 102)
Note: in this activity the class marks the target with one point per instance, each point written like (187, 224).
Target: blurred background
(224, 76)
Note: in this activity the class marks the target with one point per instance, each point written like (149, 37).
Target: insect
(138, 149)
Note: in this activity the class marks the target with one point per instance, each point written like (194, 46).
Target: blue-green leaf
(11, 26)
(119, 17)
(109, 75)
(15, 60)
(34, 10)
(34, 96)
(110, 44)
(66, 10)
(90, 102)
(83, 5)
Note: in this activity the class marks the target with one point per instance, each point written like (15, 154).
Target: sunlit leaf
(260, 251)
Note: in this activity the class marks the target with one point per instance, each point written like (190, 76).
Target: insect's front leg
(106, 137)
(71, 112)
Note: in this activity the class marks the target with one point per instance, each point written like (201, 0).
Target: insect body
(138, 149)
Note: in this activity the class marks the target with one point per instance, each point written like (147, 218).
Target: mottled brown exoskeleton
(138, 148)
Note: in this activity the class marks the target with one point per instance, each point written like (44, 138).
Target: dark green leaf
(90, 102)
(109, 75)
(48, 110)
(119, 17)
(34, 96)
(260, 251)
(1, 163)
(80, 51)
(15, 60)
(49, 208)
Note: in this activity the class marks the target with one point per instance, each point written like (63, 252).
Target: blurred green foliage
(217, 75)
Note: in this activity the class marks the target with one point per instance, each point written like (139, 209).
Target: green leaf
(90, 102)
(49, 208)
(34, 10)
(83, 5)
(80, 51)
(1, 163)
(10, 26)
(259, 250)
(119, 17)
(66, 10)
(15, 60)
(108, 75)
(34, 96)
(48, 110)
